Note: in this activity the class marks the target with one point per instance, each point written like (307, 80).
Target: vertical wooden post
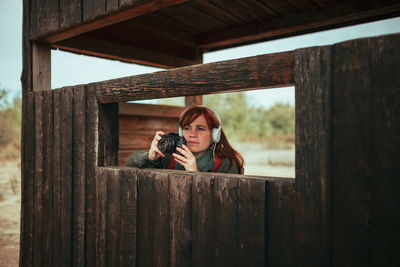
(41, 66)
(193, 100)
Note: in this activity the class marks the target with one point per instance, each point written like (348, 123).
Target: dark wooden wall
(341, 210)
(138, 124)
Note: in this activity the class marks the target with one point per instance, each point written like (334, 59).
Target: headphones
(215, 132)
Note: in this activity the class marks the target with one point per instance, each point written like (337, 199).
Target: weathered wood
(101, 217)
(70, 14)
(108, 135)
(365, 216)
(225, 194)
(66, 175)
(92, 9)
(126, 53)
(78, 209)
(128, 239)
(161, 215)
(145, 221)
(163, 111)
(202, 220)
(232, 75)
(38, 250)
(279, 223)
(57, 178)
(41, 66)
(251, 222)
(309, 20)
(27, 179)
(91, 149)
(313, 79)
(384, 146)
(113, 217)
(193, 100)
(180, 207)
(47, 182)
(69, 18)
(26, 74)
(112, 6)
(351, 150)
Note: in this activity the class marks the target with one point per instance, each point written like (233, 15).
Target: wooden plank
(33, 15)
(140, 123)
(70, 14)
(26, 74)
(385, 110)
(264, 71)
(180, 207)
(161, 214)
(112, 6)
(78, 212)
(193, 100)
(202, 220)
(145, 219)
(41, 66)
(136, 109)
(101, 217)
(304, 22)
(225, 246)
(136, 140)
(92, 9)
(251, 222)
(38, 251)
(47, 182)
(27, 179)
(128, 178)
(138, 8)
(279, 223)
(313, 79)
(66, 175)
(52, 15)
(108, 135)
(91, 148)
(124, 3)
(127, 53)
(57, 178)
(113, 217)
(351, 150)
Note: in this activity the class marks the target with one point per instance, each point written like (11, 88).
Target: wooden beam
(125, 53)
(311, 21)
(139, 8)
(136, 109)
(41, 66)
(259, 72)
(193, 100)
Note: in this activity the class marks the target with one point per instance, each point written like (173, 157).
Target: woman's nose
(192, 132)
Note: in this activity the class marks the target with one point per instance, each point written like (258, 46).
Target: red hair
(223, 148)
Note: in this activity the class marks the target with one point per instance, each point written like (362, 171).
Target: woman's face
(198, 136)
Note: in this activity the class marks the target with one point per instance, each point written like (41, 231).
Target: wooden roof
(175, 33)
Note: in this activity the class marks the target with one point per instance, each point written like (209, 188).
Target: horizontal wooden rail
(265, 71)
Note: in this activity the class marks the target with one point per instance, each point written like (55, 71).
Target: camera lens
(163, 145)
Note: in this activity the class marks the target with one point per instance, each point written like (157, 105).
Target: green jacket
(205, 163)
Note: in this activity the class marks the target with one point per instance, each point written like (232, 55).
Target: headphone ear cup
(216, 134)
(180, 132)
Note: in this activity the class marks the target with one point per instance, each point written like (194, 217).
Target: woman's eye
(186, 128)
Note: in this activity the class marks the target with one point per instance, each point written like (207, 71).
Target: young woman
(207, 149)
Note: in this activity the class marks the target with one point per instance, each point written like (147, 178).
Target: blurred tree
(10, 118)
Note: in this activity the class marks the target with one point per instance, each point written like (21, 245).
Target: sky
(71, 69)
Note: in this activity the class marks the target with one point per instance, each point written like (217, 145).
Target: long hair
(223, 148)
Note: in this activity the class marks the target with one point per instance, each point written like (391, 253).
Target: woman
(207, 149)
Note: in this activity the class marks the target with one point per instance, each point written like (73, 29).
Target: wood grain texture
(265, 71)
(108, 135)
(129, 193)
(113, 219)
(101, 217)
(180, 206)
(57, 178)
(66, 175)
(79, 189)
(91, 158)
(314, 120)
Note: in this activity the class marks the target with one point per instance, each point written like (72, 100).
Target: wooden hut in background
(79, 208)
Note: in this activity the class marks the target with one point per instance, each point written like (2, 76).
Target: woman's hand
(186, 159)
(154, 152)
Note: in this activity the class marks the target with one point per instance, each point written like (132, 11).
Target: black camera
(169, 142)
